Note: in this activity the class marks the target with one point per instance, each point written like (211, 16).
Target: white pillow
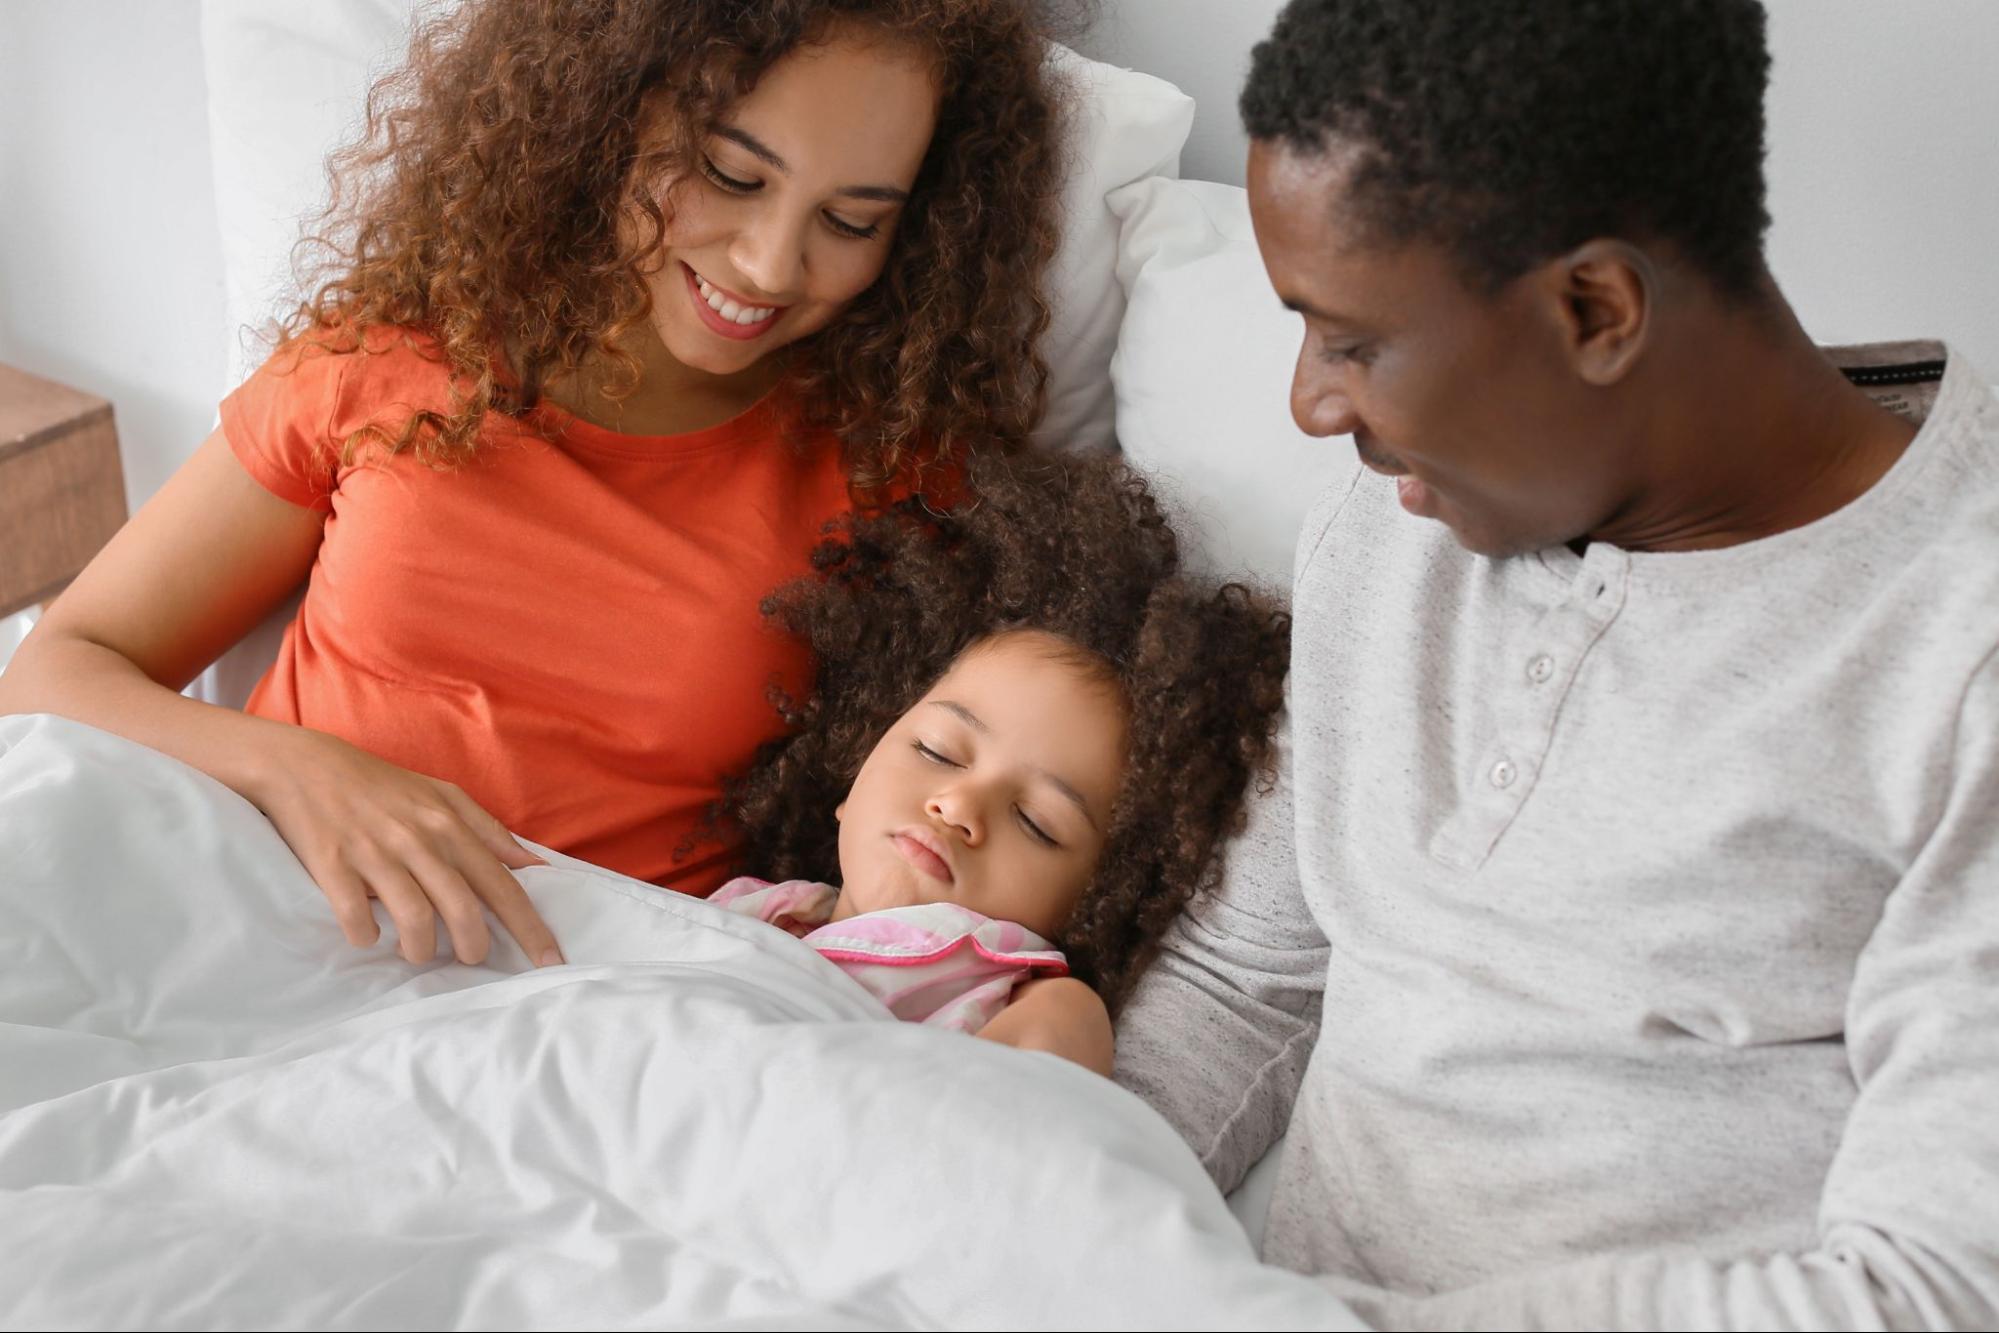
(1203, 381)
(1127, 127)
(286, 84)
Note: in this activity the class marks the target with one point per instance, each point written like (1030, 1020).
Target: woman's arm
(197, 567)
(1059, 1015)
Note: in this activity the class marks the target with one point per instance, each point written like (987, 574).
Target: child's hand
(364, 828)
(1059, 1015)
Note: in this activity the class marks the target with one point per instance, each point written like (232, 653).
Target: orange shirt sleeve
(279, 423)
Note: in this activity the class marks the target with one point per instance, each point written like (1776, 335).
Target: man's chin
(1491, 543)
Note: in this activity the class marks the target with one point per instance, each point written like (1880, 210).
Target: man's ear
(1602, 293)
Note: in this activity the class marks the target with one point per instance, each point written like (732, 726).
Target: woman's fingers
(455, 900)
(408, 907)
(348, 893)
(363, 828)
(490, 831)
(510, 903)
(485, 862)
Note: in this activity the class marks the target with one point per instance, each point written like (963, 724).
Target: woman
(625, 301)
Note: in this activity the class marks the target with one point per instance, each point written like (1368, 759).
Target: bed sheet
(215, 1113)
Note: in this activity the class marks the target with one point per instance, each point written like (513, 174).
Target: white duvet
(215, 1113)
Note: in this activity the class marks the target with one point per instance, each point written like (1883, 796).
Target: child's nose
(958, 812)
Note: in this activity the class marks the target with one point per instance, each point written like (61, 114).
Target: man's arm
(1909, 1220)
(1217, 1032)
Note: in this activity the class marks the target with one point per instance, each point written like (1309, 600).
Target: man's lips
(1414, 493)
(920, 849)
(1370, 454)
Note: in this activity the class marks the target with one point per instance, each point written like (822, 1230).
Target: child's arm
(1059, 1015)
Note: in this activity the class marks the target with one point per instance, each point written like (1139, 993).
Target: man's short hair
(1513, 131)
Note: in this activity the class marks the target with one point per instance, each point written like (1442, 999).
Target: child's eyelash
(1034, 830)
(932, 755)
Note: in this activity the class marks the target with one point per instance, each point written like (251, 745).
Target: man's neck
(1750, 432)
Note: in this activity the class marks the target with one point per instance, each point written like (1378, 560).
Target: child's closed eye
(934, 756)
(1033, 829)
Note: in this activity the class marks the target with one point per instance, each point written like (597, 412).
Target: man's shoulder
(1357, 538)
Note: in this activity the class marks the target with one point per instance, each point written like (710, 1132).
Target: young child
(1028, 738)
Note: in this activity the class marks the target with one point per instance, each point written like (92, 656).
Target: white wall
(110, 266)
(1884, 149)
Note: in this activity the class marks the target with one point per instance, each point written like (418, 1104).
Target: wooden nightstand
(62, 488)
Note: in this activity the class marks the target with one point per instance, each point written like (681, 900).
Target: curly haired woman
(622, 301)
(1026, 741)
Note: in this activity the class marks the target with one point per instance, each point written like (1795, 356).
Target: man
(1621, 943)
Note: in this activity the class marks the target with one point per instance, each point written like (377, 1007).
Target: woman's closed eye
(722, 180)
(726, 181)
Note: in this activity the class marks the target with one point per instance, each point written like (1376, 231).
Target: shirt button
(1540, 669)
(1502, 774)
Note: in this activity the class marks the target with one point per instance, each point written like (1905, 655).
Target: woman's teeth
(729, 310)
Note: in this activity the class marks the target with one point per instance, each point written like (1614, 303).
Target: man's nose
(1320, 402)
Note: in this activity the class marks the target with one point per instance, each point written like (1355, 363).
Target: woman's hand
(1059, 1015)
(364, 828)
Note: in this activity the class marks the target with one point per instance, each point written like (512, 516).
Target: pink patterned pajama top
(935, 963)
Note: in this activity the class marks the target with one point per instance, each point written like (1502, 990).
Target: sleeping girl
(1027, 739)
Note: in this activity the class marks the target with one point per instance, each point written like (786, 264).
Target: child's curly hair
(1075, 548)
(481, 205)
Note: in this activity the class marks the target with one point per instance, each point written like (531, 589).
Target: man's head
(1482, 211)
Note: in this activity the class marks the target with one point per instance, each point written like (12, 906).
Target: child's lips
(913, 847)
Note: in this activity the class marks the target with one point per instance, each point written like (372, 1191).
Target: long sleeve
(1909, 1218)
(1217, 1034)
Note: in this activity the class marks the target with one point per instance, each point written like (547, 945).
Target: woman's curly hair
(481, 205)
(1075, 548)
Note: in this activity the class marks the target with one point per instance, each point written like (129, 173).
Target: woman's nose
(770, 252)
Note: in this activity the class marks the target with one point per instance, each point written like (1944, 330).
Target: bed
(213, 1113)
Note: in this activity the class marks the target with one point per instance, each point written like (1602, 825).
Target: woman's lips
(727, 328)
(922, 856)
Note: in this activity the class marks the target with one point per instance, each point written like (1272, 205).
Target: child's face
(792, 212)
(993, 792)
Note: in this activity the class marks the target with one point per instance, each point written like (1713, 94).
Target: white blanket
(216, 1113)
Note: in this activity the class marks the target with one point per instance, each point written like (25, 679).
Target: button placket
(1507, 767)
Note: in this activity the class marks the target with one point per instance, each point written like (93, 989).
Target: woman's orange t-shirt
(566, 626)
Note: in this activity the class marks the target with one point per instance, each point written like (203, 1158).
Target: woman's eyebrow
(976, 723)
(763, 152)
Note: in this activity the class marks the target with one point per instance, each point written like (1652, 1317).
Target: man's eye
(1358, 354)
